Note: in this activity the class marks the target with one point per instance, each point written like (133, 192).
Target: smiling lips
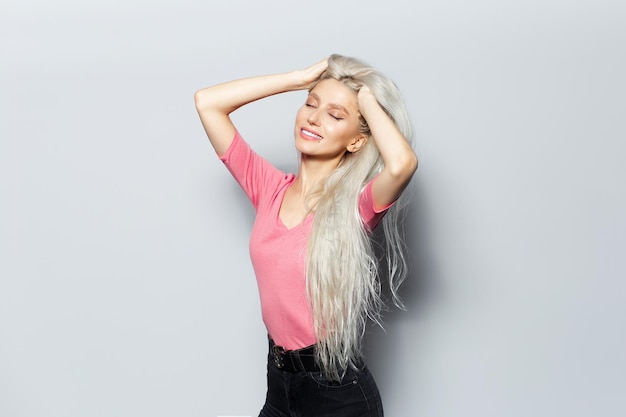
(307, 134)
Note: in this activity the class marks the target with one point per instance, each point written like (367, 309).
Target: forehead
(333, 92)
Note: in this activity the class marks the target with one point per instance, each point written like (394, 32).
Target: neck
(312, 171)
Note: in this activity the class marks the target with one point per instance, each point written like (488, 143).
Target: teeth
(311, 135)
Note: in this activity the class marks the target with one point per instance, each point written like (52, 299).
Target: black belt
(301, 360)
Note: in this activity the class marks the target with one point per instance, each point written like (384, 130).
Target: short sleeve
(370, 215)
(253, 173)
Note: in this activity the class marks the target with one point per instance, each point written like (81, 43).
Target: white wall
(125, 284)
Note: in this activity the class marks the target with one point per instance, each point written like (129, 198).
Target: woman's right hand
(311, 74)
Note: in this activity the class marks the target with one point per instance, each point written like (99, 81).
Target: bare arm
(214, 104)
(400, 161)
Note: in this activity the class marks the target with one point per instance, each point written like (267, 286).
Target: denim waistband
(300, 360)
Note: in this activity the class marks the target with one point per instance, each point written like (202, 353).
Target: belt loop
(278, 354)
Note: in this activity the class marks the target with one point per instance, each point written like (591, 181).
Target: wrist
(295, 80)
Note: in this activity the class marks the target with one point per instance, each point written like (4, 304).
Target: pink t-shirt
(279, 254)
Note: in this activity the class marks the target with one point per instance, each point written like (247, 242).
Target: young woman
(310, 243)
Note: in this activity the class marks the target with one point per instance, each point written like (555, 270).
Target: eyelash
(331, 115)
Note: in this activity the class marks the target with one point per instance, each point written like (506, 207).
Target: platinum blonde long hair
(342, 268)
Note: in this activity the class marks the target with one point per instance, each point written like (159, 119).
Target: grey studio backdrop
(125, 283)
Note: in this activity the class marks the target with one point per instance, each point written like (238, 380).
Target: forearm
(227, 97)
(398, 156)
(399, 159)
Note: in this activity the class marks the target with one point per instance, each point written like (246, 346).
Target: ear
(357, 143)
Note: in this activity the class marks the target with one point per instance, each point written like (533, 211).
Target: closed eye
(335, 117)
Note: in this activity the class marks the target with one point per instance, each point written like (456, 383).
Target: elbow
(413, 163)
(207, 101)
(200, 99)
(404, 166)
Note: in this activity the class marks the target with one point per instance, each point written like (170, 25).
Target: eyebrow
(331, 105)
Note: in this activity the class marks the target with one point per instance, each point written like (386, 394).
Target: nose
(313, 117)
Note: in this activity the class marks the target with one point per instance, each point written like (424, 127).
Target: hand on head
(365, 94)
(312, 73)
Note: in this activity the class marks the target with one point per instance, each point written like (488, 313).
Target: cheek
(345, 133)
(302, 116)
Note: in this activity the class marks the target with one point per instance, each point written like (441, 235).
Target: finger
(322, 64)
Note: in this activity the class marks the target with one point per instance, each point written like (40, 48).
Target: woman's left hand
(366, 99)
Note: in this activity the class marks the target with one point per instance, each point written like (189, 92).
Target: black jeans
(308, 394)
